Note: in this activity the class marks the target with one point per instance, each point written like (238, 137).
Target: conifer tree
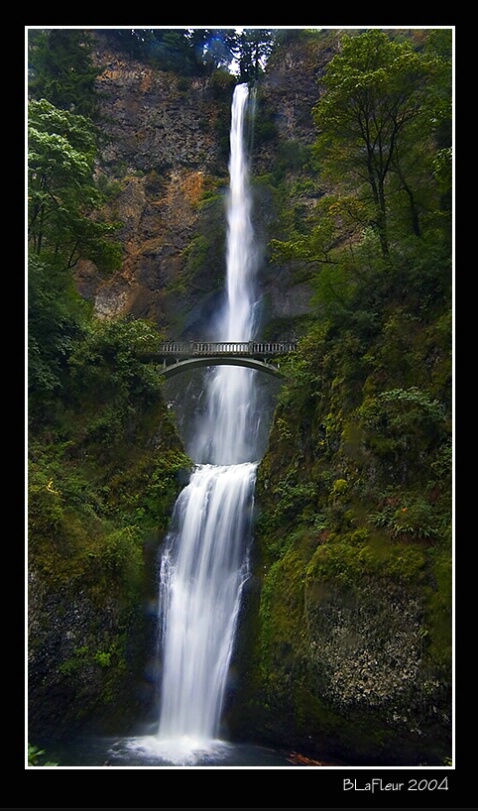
(61, 70)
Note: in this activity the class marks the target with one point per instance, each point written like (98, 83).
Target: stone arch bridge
(179, 356)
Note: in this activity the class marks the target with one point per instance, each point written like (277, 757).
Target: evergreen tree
(61, 71)
(253, 47)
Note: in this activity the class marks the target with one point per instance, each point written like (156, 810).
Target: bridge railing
(211, 348)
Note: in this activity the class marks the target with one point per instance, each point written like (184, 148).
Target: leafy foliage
(375, 123)
(63, 196)
(36, 757)
(252, 49)
(61, 70)
(55, 317)
(64, 201)
(355, 485)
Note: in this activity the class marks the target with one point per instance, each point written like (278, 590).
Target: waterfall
(228, 431)
(204, 564)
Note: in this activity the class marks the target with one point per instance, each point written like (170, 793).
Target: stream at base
(146, 752)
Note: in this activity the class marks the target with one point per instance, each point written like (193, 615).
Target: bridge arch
(178, 356)
(172, 369)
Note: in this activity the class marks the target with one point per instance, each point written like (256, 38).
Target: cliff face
(167, 152)
(92, 557)
(339, 665)
(345, 647)
(161, 152)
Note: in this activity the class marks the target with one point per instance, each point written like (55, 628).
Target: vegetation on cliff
(352, 627)
(201, 51)
(105, 460)
(105, 466)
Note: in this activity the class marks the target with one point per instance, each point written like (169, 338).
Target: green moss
(281, 611)
(339, 487)
(333, 732)
(75, 662)
(348, 564)
(439, 608)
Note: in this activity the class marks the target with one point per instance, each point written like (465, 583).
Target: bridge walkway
(212, 348)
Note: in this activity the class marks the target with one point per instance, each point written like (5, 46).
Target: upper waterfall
(228, 431)
(238, 319)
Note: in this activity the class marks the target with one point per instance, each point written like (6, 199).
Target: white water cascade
(204, 565)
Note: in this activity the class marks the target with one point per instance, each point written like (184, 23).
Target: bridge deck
(236, 348)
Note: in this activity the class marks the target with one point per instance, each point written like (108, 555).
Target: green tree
(63, 221)
(136, 42)
(61, 70)
(63, 225)
(376, 122)
(253, 46)
(439, 48)
(56, 319)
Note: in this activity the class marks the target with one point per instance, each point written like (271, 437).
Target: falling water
(204, 564)
(228, 432)
(205, 561)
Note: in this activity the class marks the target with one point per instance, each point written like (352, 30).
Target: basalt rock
(164, 151)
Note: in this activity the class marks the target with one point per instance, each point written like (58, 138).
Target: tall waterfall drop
(204, 565)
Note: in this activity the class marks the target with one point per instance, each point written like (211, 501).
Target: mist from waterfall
(205, 561)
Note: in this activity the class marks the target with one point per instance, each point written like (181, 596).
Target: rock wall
(166, 150)
(161, 151)
(341, 671)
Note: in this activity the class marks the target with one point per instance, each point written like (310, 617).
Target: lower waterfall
(202, 573)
